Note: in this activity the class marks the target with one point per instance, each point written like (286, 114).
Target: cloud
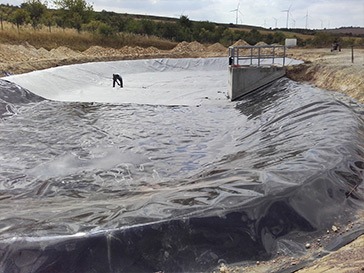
(321, 13)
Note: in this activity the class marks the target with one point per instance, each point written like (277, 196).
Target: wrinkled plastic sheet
(155, 81)
(134, 187)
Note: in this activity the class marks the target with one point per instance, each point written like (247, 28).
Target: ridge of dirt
(16, 59)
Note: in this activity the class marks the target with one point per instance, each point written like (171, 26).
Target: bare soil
(17, 59)
(335, 71)
(328, 70)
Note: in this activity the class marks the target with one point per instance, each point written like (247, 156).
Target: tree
(227, 37)
(134, 26)
(253, 37)
(322, 39)
(148, 27)
(168, 30)
(185, 22)
(36, 10)
(77, 12)
(2, 17)
(278, 37)
(92, 26)
(105, 30)
(20, 17)
(48, 20)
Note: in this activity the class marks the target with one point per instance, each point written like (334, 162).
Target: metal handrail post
(284, 55)
(273, 54)
(237, 56)
(233, 55)
(251, 56)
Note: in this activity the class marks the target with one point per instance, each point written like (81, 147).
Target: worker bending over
(117, 79)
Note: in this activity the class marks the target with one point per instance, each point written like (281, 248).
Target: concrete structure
(253, 67)
(243, 80)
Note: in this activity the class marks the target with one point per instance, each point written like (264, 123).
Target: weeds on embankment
(55, 37)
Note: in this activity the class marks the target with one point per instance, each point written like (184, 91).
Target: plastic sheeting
(155, 81)
(119, 187)
(144, 82)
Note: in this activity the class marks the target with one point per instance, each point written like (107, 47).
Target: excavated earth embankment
(335, 71)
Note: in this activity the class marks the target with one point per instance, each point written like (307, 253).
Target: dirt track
(325, 69)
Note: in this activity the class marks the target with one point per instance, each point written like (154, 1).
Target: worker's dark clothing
(117, 79)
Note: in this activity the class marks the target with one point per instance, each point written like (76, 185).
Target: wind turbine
(294, 23)
(237, 11)
(288, 11)
(306, 19)
(276, 21)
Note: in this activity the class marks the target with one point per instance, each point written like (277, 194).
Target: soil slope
(331, 70)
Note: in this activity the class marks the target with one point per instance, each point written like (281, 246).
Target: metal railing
(257, 55)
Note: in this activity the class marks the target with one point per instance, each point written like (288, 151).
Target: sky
(313, 14)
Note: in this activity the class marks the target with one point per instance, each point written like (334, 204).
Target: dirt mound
(17, 53)
(217, 47)
(185, 47)
(124, 51)
(98, 51)
(43, 52)
(64, 52)
(262, 51)
(128, 50)
(138, 51)
(241, 43)
(261, 44)
(151, 50)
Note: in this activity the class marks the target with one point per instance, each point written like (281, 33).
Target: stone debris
(334, 228)
(224, 269)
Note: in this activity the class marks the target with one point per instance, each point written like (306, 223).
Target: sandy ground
(331, 70)
(328, 70)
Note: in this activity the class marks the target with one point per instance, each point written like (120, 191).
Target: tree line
(79, 15)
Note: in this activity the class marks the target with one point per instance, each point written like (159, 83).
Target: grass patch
(75, 40)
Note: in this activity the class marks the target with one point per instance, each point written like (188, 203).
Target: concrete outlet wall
(243, 80)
